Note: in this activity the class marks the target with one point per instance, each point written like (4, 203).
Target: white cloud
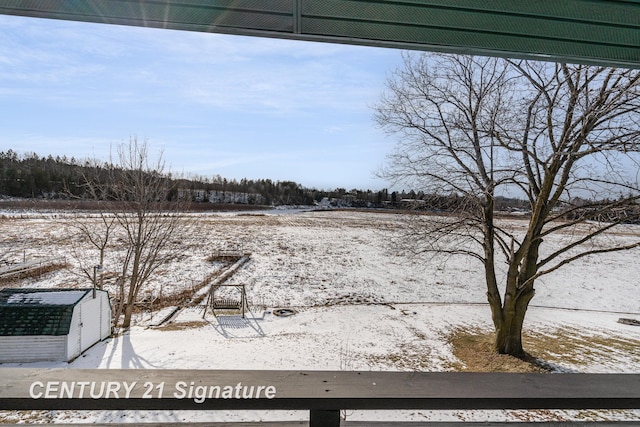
(84, 87)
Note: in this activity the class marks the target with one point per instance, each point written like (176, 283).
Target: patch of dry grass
(410, 357)
(563, 348)
(576, 347)
(180, 326)
(474, 350)
(15, 280)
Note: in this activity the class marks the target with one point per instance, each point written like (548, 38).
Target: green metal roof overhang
(603, 32)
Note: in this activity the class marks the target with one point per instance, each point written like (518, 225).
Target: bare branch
(558, 134)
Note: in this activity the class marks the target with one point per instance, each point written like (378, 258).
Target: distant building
(51, 324)
(324, 203)
(235, 197)
(196, 195)
(413, 203)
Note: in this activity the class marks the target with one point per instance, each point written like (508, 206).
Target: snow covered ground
(358, 305)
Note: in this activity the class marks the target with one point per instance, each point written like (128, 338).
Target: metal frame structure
(602, 32)
(226, 303)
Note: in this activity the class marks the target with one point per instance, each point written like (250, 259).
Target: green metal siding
(604, 32)
(37, 311)
(35, 320)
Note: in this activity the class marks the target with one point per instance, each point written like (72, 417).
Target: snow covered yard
(358, 305)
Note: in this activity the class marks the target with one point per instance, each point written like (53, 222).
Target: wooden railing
(323, 393)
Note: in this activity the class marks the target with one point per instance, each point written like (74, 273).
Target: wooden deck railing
(323, 393)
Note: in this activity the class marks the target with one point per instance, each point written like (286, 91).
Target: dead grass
(410, 357)
(182, 325)
(563, 349)
(226, 258)
(184, 297)
(11, 281)
(474, 350)
(570, 346)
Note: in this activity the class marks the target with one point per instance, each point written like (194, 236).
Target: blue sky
(214, 104)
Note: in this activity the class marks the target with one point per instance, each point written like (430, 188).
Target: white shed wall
(32, 348)
(105, 317)
(91, 323)
(73, 349)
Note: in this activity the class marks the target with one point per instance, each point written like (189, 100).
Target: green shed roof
(604, 32)
(38, 311)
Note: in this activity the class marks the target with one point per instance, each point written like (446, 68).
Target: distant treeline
(31, 176)
(38, 177)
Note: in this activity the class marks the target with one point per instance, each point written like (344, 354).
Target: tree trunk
(128, 312)
(509, 333)
(131, 299)
(137, 245)
(120, 306)
(518, 293)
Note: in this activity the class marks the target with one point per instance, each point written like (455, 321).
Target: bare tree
(85, 230)
(564, 137)
(146, 215)
(140, 221)
(82, 227)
